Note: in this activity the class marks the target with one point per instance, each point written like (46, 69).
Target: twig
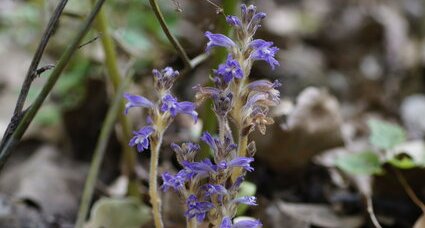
(369, 206)
(33, 109)
(412, 195)
(90, 41)
(99, 152)
(32, 71)
(170, 36)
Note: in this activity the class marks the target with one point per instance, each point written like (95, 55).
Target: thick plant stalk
(51, 81)
(153, 183)
(129, 157)
(99, 153)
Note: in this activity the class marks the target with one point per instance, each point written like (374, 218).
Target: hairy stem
(191, 223)
(99, 153)
(153, 184)
(51, 81)
(128, 157)
(170, 36)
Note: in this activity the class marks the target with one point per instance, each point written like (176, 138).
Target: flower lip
(141, 138)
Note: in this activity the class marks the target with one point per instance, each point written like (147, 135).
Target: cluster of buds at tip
(162, 111)
(210, 187)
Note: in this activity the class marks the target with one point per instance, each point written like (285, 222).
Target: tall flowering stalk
(210, 187)
(161, 113)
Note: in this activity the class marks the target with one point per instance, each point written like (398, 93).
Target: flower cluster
(210, 187)
(162, 111)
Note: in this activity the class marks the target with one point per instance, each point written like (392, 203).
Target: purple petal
(136, 101)
(218, 40)
(248, 224)
(248, 200)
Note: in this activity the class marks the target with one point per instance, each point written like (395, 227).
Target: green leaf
(385, 135)
(247, 189)
(112, 213)
(364, 163)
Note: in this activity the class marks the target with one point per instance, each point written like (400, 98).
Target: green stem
(153, 185)
(51, 81)
(99, 153)
(170, 36)
(129, 157)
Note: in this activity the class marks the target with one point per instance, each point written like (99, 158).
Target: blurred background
(342, 63)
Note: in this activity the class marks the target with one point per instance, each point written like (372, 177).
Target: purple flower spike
(175, 182)
(218, 40)
(263, 50)
(248, 200)
(197, 209)
(230, 69)
(226, 223)
(248, 224)
(170, 104)
(234, 21)
(136, 101)
(141, 138)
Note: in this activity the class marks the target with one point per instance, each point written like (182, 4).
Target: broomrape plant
(209, 187)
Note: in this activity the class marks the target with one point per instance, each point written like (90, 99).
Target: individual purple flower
(263, 50)
(230, 69)
(165, 78)
(218, 40)
(170, 104)
(175, 182)
(248, 200)
(214, 189)
(248, 223)
(242, 162)
(136, 101)
(226, 223)
(199, 169)
(141, 138)
(197, 209)
(234, 21)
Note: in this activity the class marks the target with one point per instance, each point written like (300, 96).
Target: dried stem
(54, 76)
(111, 63)
(170, 36)
(153, 183)
(33, 70)
(412, 195)
(99, 152)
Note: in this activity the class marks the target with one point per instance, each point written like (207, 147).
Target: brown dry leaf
(48, 180)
